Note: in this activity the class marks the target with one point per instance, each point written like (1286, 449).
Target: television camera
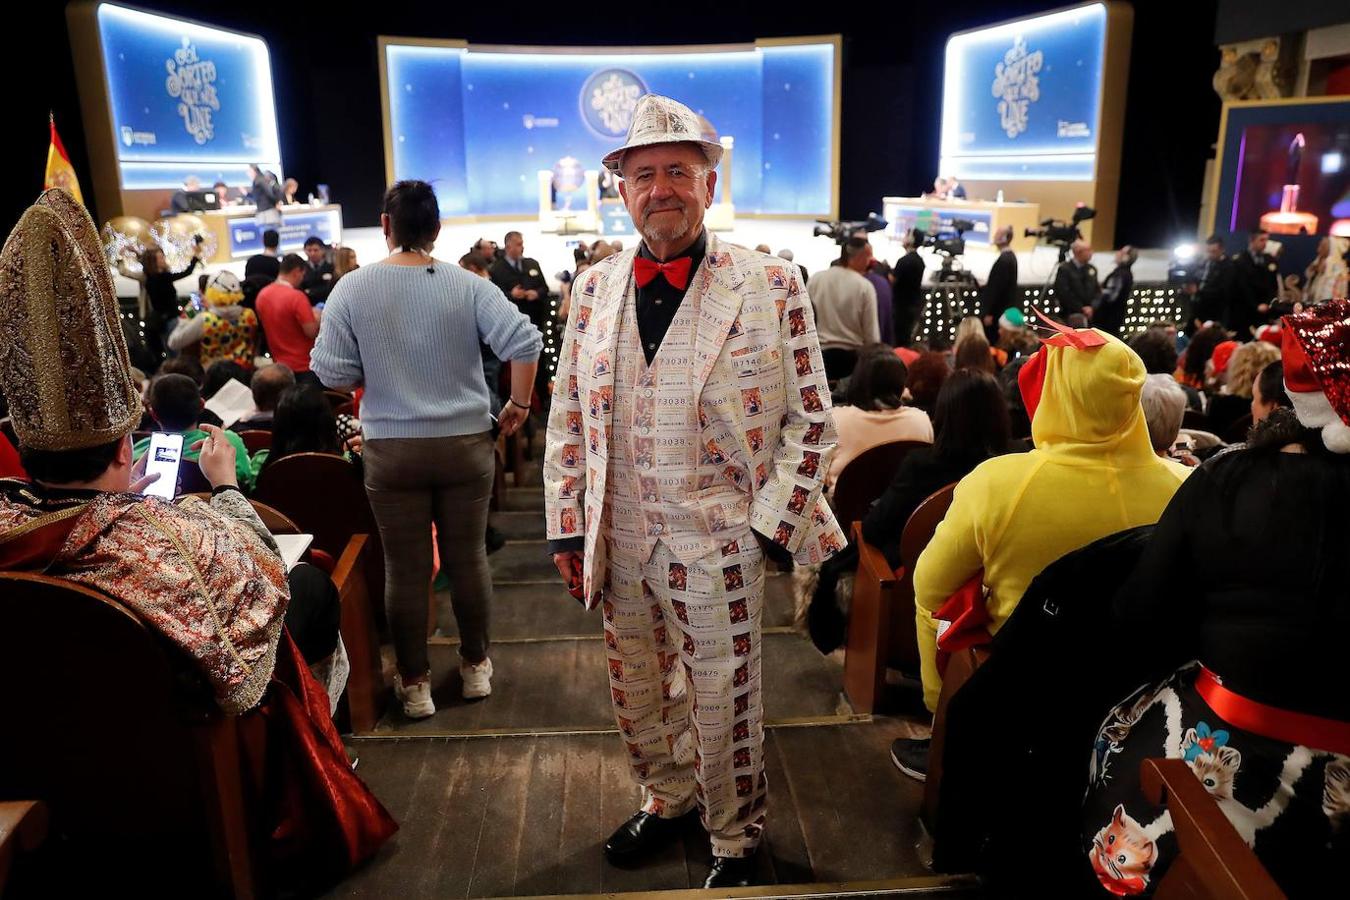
(1058, 233)
(842, 231)
(949, 243)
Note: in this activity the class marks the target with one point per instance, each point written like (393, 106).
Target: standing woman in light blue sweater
(408, 329)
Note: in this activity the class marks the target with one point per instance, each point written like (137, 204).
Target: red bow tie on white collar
(676, 272)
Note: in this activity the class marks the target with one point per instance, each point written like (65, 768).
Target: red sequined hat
(1315, 348)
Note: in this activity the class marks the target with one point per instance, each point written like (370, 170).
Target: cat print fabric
(1290, 803)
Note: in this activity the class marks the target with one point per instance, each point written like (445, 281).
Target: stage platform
(554, 252)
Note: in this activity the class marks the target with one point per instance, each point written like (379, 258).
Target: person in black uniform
(907, 293)
(1215, 278)
(1000, 289)
(1255, 286)
(1108, 312)
(1076, 286)
(318, 270)
(522, 280)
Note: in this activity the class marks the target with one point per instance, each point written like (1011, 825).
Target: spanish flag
(60, 173)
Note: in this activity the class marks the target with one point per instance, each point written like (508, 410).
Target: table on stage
(238, 235)
(904, 213)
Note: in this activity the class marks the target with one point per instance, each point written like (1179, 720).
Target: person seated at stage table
(845, 304)
(955, 190)
(290, 191)
(874, 411)
(318, 280)
(222, 192)
(1107, 312)
(267, 264)
(939, 191)
(176, 404)
(179, 202)
(267, 386)
(1076, 286)
(224, 330)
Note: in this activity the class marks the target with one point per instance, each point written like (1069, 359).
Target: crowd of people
(704, 409)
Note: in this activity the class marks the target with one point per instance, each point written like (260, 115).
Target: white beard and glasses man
(689, 437)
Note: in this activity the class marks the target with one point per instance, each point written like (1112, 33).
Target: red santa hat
(1316, 353)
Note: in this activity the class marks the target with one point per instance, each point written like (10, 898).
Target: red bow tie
(676, 272)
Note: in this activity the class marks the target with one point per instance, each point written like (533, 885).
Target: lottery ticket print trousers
(683, 643)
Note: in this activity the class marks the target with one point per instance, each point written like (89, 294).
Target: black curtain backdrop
(328, 103)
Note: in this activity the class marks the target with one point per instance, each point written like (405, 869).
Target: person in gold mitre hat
(206, 576)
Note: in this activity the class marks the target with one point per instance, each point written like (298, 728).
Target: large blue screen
(1022, 100)
(186, 99)
(480, 123)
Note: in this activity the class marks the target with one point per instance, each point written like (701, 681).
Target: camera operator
(846, 308)
(1076, 286)
(907, 291)
(1000, 290)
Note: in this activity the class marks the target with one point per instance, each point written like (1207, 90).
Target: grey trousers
(413, 482)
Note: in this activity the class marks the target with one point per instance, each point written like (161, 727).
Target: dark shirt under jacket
(179, 203)
(261, 264)
(906, 297)
(318, 281)
(530, 277)
(1108, 312)
(1255, 281)
(1075, 287)
(1000, 291)
(957, 193)
(1246, 572)
(923, 472)
(658, 302)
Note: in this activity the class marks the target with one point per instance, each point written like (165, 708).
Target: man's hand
(216, 458)
(1263, 308)
(531, 294)
(511, 418)
(139, 480)
(570, 565)
(518, 292)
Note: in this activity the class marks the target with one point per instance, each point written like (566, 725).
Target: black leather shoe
(641, 835)
(730, 872)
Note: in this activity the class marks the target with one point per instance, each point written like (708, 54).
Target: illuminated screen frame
(1078, 163)
(835, 41)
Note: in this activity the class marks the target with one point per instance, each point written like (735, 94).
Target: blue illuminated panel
(1022, 100)
(503, 116)
(246, 235)
(186, 99)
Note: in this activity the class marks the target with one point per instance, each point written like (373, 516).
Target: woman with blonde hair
(1235, 398)
(344, 261)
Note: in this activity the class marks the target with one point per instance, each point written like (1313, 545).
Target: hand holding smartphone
(162, 459)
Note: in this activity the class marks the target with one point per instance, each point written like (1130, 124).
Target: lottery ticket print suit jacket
(764, 410)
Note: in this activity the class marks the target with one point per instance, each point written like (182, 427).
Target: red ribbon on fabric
(968, 621)
(1270, 721)
(676, 272)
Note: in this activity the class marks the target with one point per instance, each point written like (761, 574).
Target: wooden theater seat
(256, 439)
(865, 478)
(881, 618)
(23, 826)
(1213, 861)
(960, 666)
(145, 780)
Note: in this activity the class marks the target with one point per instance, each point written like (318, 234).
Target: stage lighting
(1183, 251)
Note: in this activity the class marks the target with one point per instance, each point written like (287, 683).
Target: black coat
(1075, 287)
(1214, 294)
(922, 473)
(531, 278)
(1255, 281)
(318, 281)
(1000, 291)
(1108, 313)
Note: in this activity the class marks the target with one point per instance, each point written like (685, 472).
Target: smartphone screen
(166, 450)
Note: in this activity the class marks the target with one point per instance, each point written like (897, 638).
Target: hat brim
(614, 161)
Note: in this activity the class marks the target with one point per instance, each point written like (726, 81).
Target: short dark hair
(1214, 239)
(1201, 348)
(414, 215)
(1157, 349)
(852, 247)
(878, 380)
(292, 261)
(1256, 232)
(314, 239)
(1271, 384)
(219, 372)
(69, 466)
(176, 402)
(303, 423)
(269, 383)
(271, 239)
(970, 417)
(511, 234)
(184, 365)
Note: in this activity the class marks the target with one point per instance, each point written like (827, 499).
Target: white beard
(665, 232)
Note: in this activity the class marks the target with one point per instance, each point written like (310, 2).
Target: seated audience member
(182, 365)
(206, 577)
(318, 280)
(1192, 370)
(1238, 609)
(303, 423)
(219, 374)
(266, 264)
(972, 325)
(225, 330)
(267, 385)
(1092, 473)
(875, 413)
(176, 405)
(289, 320)
(1158, 350)
(1216, 372)
(972, 351)
(1268, 393)
(970, 425)
(1164, 403)
(925, 378)
(1234, 399)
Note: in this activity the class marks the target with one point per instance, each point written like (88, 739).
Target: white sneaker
(416, 698)
(477, 679)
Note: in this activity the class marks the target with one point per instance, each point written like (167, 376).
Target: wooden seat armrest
(1211, 852)
(23, 826)
(871, 560)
